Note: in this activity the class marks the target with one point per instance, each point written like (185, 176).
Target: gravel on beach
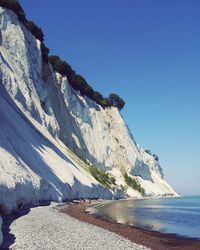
(47, 228)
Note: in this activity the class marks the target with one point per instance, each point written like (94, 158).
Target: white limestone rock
(40, 113)
(101, 136)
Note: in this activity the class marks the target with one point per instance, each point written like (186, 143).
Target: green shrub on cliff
(35, 30)
(31, 26)
(79, 83)
(45, 53)
(131, 182)
(116, 101)
(76, 81)
(102, 177)
(14, 6)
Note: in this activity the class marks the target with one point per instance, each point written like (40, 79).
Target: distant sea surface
(180, 216)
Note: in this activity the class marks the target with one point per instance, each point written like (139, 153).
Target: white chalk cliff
(43, 120)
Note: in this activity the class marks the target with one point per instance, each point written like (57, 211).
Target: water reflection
(127, 212)
(179, 216)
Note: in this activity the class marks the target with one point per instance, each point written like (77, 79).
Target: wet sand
(154, 240)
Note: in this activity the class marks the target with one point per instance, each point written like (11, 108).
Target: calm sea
(179, 216)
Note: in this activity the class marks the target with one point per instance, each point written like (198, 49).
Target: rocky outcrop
(42, 117)
(102, 137)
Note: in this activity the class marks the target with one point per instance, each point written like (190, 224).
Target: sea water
(180, 216)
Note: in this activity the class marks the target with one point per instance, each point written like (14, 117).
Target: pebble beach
(46, 227)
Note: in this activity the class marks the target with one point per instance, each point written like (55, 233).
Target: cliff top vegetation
(77, 81)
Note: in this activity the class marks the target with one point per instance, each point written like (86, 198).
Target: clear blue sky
(147, 51)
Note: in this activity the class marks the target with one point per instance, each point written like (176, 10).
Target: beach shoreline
(154, 240)
(46, 227)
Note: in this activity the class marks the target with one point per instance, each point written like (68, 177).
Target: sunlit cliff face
(41, 116)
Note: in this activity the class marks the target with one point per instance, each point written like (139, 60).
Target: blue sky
(147, 51)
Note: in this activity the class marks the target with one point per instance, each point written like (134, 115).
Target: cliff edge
(56, 144)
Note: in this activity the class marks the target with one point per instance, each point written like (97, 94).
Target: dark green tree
(116, 101)
(75, 80)
(35, 30)
(15, 6)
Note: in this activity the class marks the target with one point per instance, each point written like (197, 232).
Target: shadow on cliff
(25, 142)
(92, 192)
(95, 191)
(142, 170)
(28, 145)
(24, 139)
(66, 118)
(8, 237)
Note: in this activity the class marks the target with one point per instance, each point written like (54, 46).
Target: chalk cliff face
(43, 120)
(102, 137)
